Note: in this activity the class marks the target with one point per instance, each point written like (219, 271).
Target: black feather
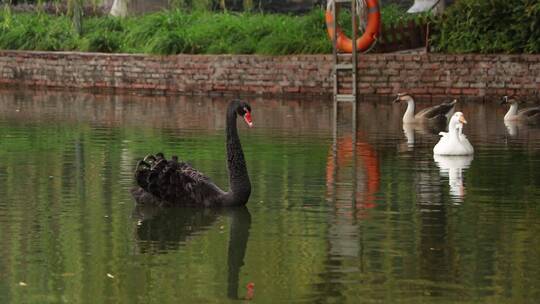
(173, 182)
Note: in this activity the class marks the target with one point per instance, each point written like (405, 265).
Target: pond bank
(296, 75)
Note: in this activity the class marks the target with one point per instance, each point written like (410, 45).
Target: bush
(489, 26)
(102, 35)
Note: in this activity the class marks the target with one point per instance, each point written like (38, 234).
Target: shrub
(489, 26)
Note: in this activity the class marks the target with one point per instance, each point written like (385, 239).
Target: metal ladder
(353, 66)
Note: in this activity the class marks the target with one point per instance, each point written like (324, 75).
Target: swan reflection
(408, 131)
(161, 230)
(411, 130)
(513, 128)
(453, 168)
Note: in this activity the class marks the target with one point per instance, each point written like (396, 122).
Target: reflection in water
(410, 131)
(352, 180)
(352, 174)
(66, 222)
(160, 230)
(453, 167)
(512, 127)
(189, 112)
(519, 128)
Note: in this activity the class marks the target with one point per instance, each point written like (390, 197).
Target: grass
(468, 26)
(173, 32)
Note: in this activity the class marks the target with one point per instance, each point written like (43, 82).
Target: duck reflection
(512, 128)
(161, 230)
(410, 130)
(518, 128)
(453, 168)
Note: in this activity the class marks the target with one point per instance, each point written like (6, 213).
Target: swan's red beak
(247, 118)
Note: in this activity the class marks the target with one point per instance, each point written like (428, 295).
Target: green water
(326, 222)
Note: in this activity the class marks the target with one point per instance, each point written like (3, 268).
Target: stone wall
(427, 74)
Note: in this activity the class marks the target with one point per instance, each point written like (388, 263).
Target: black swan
(173, 183)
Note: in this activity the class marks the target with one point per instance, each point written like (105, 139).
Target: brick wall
(428, 74)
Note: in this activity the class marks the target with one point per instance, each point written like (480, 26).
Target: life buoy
(344, 44)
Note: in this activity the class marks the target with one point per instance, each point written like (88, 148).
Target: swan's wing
(177, 184)
(193, 185)
(437, 111)
(530, 112)
(443, 134)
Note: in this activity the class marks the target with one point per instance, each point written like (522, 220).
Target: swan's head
(457, 120)
(403, 97)
(509, 100)
(243, 109)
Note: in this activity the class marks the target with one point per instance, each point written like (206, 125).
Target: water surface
(329, 220)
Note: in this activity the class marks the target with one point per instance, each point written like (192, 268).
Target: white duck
(528, 115)
(436, 113)
(454, 142)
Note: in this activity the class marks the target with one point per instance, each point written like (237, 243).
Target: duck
(437, 113)
(528, 115)
(454, 142)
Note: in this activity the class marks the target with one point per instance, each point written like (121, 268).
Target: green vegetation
(174, 32)
(493, 26)
(468, 26)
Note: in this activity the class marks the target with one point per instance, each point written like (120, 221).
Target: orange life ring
(344, 44)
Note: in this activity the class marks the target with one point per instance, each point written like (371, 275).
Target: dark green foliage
(490, 26)
(37, 32)
(393, 13)
(469, 26)
(102, 35)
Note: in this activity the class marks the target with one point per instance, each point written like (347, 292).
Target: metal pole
(335, 51)
(354, 72)
(354, 50)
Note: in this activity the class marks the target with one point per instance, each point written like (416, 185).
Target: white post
(119, 8)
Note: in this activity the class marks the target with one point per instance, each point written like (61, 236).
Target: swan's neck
(512, 112)
(455, 130)
(239, 184)
(409, 113)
